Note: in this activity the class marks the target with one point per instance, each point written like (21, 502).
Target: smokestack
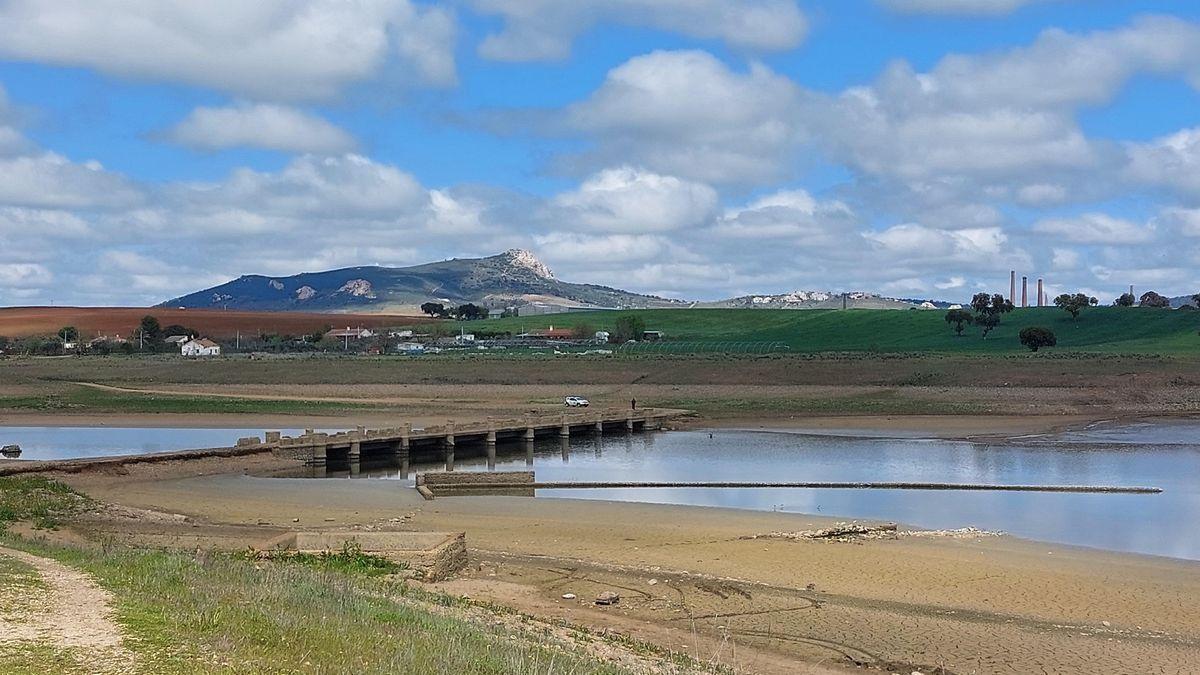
(1024, 291)
(1012, 286)
(1040, 296)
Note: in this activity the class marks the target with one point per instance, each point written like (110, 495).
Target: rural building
(177, 340)
(550, 333)
(200, 347)
(652, 335)
(411, 348)
(542, 308)
(351, 333)
(496, 313)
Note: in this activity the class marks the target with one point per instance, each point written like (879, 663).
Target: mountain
(512, 277)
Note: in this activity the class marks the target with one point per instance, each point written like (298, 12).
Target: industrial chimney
(1012, 286)
(1024, 291)
(1041, 297)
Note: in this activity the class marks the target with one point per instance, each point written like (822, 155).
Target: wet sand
(994, 604)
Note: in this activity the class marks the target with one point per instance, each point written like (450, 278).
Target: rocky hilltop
(513, 277)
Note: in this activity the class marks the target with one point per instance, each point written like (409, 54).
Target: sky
(695, 149)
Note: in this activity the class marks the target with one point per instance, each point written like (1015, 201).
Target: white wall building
(201, 347)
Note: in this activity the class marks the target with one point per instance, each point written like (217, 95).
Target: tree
(1036, 337)
(628, 327)
(471, 312)
(150, 329)
(988, 309)
(1196, 299)
(1073, 304)
(433, 308)
(1152, 299)
(583, 331)
(959, 317)
(1126, 300)
(68, 333)
(177, 329)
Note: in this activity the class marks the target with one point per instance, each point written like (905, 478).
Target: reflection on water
(75, 442)
(1161, 455)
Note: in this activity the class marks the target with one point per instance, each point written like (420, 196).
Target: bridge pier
(565, 445)
(528, 452)
(564, 431)
(599, 427)
(629, 423)
(355, 457)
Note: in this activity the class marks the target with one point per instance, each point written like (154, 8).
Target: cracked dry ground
(54, 618)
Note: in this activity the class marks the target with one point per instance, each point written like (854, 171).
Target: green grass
(350, 559)
(1098, 329)
(211, 613)
(37, 499)
(88, 399)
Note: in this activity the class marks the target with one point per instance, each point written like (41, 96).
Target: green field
(1098, 329)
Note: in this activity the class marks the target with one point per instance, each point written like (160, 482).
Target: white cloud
(1095, 228)
(689, 115)
(24, 275)
(261, 125)
(919, 242)
(49, 180)
(544, 29)
(633, 200)
(269, 49)
(1172, 161)
(964, 7)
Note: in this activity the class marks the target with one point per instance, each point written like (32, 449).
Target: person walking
(633, 404)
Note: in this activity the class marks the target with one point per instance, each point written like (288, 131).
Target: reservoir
(77, 442)
(1165, 455)
(1159, 454)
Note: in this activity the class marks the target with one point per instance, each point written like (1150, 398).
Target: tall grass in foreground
(212, 613)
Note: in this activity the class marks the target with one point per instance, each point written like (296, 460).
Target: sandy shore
(991, 604)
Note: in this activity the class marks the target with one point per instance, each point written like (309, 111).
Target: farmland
(1112, 330)
(113, 321)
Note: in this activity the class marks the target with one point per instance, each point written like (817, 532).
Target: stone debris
(608, 598)
(855, 531)
(568, 596)
(653, 582)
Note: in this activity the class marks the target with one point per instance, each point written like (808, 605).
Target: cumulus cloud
(1095, 228)
(960, 7)
(545, 29)
(270, 49)
(688, 114)
(633, 200)
(273, 127)
(1172, 161)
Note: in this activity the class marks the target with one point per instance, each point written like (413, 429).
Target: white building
(200, 347)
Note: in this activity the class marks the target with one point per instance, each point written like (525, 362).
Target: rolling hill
(514, 276)
(1130, 330)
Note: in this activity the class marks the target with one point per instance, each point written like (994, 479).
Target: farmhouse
(177, 340)
(200, 347)
(351, 333)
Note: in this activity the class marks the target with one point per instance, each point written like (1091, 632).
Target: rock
(568, 596)
(653, 582)
(1105, 624)
(810, 587)
(295, 520)
(608, 598)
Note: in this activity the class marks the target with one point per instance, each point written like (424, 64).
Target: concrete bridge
(396, 445)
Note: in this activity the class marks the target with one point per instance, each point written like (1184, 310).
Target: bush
(1036, 337)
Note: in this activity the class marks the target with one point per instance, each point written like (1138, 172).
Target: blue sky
(691, 148)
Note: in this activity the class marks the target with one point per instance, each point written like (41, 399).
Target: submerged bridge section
(395, 446)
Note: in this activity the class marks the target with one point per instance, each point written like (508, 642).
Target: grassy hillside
(1099, 329)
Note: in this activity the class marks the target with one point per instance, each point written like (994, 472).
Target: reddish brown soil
(112, 321)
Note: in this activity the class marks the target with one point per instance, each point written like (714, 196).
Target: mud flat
(696, 578)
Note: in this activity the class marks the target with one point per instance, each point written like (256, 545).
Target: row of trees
(467, 312)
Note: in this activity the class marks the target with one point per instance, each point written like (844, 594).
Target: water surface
(77, 442)
(1162, 455)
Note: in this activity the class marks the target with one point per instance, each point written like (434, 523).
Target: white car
(576, 402)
